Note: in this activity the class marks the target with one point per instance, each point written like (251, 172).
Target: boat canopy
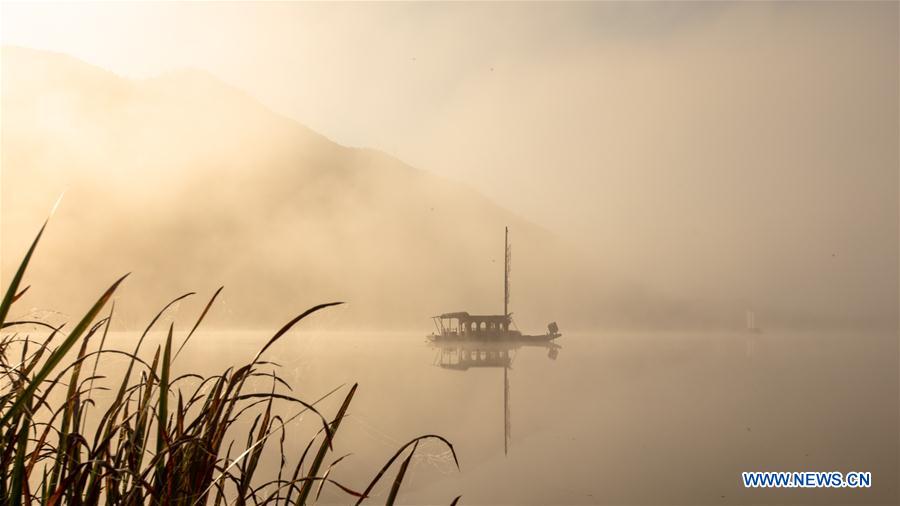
(464, 317)
(458, 314)
(465, 324)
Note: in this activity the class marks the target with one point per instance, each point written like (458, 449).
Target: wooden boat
(462, 326)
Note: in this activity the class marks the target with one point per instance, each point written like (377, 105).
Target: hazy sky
(748, 140)
(479, 92)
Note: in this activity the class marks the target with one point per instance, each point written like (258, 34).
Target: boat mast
(506, 417)
(506, 256)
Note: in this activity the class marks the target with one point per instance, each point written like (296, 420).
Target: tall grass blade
(60, 352)
(163, 409)
(395, 488)
(323, 448)
(287, 326)
(13, 287)
(327, 472)
(18, 471)
(20, 294)
(390, 461)
(202, 316)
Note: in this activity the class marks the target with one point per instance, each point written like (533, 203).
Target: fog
(664, 169)
(658, 165)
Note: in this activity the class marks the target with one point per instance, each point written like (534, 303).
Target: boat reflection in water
(463, 355)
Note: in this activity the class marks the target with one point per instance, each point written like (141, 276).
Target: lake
(608, 418)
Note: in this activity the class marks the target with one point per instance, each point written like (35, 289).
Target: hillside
(191, 183)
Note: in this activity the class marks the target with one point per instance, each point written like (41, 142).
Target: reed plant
(155, 438)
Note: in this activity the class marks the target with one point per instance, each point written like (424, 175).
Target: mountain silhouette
(189, 183)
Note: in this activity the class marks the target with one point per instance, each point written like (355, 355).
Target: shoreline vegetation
(160, 439)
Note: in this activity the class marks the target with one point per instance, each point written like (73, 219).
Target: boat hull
(493, 338)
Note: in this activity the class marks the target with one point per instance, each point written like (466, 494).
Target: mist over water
(614, 418)
(704, 197)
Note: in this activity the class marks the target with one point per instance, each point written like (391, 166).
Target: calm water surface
(607, 419)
